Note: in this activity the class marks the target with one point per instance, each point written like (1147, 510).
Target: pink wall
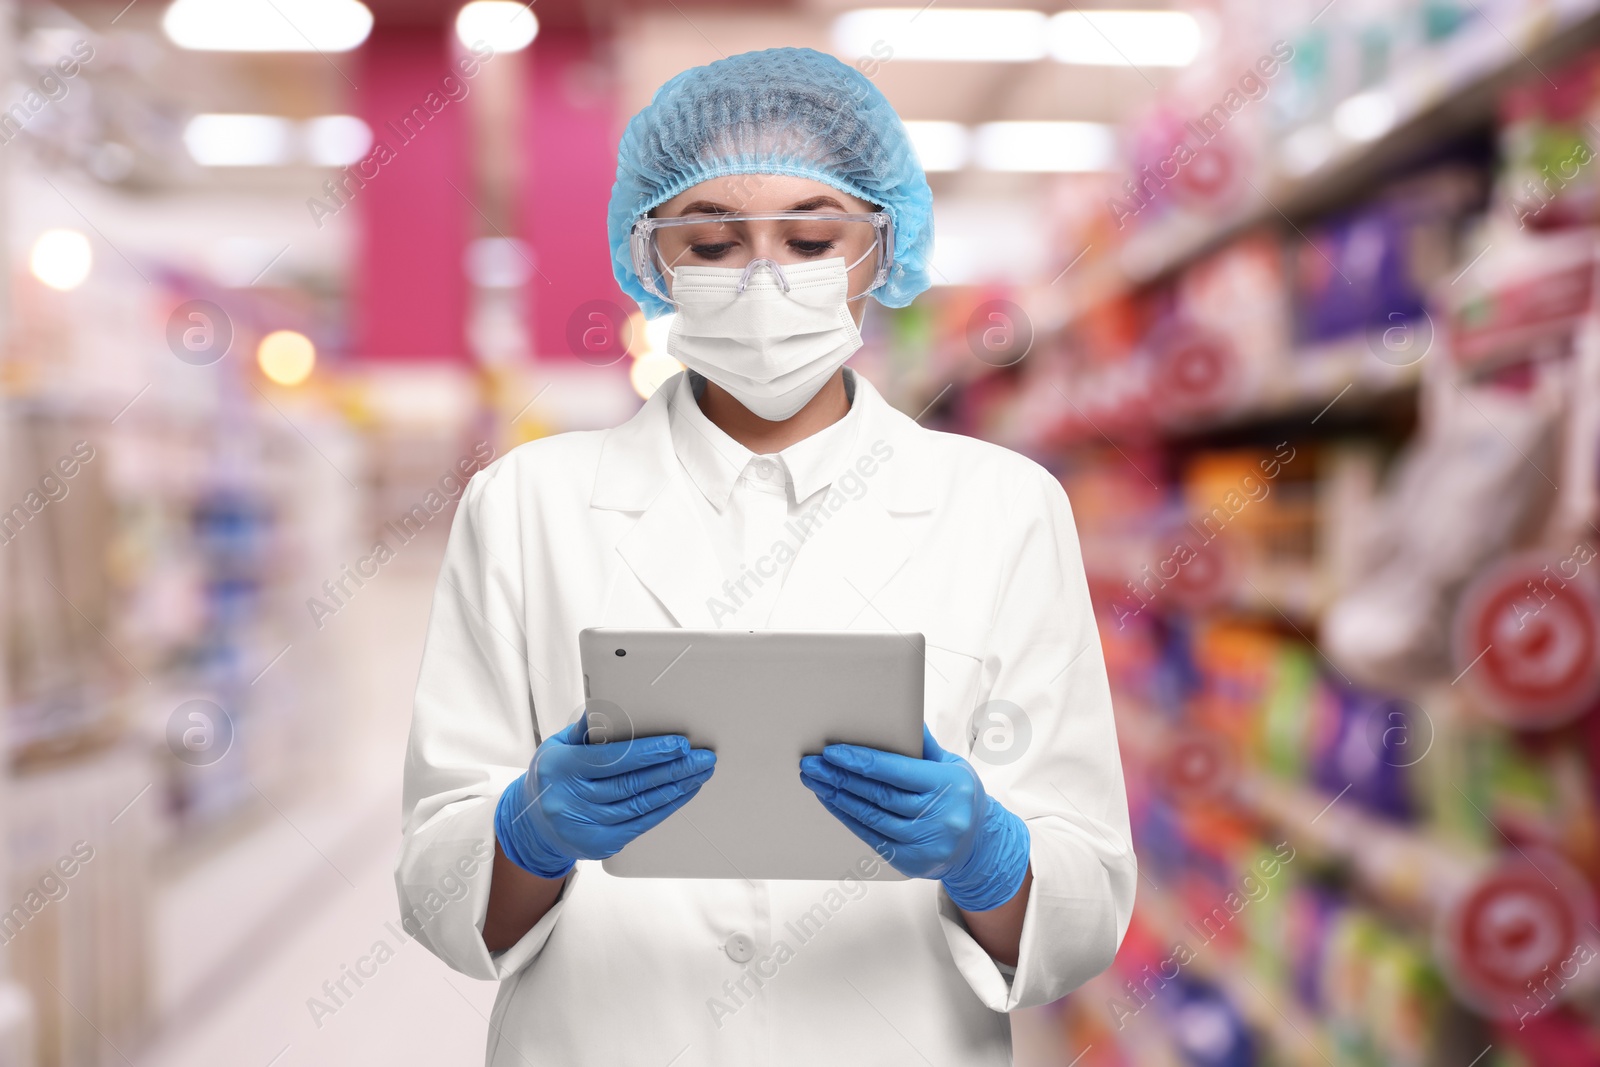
(410, 289)
(571, 161)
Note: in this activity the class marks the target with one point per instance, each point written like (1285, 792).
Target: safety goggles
(661, 245)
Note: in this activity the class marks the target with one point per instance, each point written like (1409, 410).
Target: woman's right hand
(582, 801)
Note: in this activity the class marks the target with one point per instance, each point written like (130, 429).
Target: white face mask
(770, 335)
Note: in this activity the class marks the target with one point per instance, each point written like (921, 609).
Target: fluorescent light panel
(335, 140)
(1094, 38)
(1045, 147)
(961, 34)
(267, 25)
(216, 140)
(239, 140)
(940, 145)
(1125, 38)
(504, 25)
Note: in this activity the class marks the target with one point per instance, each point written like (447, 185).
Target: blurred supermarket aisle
(245, 942)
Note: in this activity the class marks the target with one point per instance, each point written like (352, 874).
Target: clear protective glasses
(735, 239)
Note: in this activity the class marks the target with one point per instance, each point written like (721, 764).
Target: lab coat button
(740, 948)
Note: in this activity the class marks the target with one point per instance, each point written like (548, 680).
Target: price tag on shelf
(1526, 924)
(1196, 764)
(1195, 372)
(1527, 639)
(1195, 566)
(1212, 180)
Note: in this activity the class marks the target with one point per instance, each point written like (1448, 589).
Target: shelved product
(75, 928)
(1338, 122)
(1332, 454)
(163, 524)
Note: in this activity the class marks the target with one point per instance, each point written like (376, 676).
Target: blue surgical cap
(791, 111)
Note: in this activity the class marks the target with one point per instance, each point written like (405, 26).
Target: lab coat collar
(817, 461)
(842, 562)
(715, 461)
(712, 459)
(637, 459)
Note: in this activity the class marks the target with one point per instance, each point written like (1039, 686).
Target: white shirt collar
(714, 461)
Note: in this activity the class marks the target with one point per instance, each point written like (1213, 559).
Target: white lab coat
(969, 543)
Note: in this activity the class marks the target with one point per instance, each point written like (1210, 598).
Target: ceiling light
(1045, 146)
(239, 140)
(286, 357)
(1365, 116)
(978, 35)
(61, 259)
(267, 25)
(274, 141)
(940, 145)
(503, 25)
(336, 140)
(1125, 38)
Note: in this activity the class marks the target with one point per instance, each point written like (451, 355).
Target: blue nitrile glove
(579, 801)
(928, 817)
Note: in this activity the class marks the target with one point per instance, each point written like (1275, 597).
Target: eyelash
(810, 249)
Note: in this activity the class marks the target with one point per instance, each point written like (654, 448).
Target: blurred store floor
(314, 891)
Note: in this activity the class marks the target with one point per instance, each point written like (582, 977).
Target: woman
(762, 198)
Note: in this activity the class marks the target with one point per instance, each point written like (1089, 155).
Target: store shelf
(1316, 390)
(1298, 1039)
(1291, 597)
(1451, 90)
(1336, 383)
(1401, 866)
(1398, 864)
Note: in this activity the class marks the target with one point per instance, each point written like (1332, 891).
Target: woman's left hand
(928, 817)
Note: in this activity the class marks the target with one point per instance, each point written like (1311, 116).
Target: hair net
(791, 111)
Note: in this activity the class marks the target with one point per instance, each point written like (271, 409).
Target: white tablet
(760, 699)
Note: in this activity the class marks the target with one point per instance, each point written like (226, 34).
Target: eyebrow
(711, 207)
(817, 201)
